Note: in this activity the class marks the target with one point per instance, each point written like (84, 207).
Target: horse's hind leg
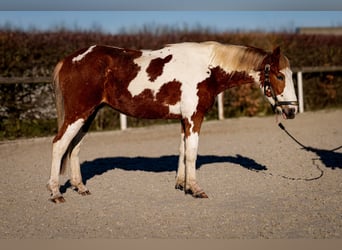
(76, 176)
(59, 148)
(74, 149)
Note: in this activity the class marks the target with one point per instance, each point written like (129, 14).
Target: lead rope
(313, 160)
(321, 172)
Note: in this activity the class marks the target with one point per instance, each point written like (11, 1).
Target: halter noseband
(268, 90)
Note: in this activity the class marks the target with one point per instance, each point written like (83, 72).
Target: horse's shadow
(167, 163)
(329, 158)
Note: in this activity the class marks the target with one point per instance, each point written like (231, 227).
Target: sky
(131, 15)
(171, 5)
(130, 21)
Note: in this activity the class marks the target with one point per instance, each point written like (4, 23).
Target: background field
(27, 110)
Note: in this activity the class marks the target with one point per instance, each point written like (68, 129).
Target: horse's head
(277, 84)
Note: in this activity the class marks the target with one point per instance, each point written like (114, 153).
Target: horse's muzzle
(287, 109)
(289, 112)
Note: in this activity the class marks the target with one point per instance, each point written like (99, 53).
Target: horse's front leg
(191, 185)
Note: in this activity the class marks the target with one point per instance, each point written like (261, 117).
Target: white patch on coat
(175, 109)
(81, 56)
(189, 65)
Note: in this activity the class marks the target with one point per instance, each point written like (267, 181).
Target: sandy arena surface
(260, 183)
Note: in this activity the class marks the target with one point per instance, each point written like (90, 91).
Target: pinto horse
(179, 81)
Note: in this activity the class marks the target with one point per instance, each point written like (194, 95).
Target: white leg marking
(180, 179)
(191, 146)
(58, 150)
(76, 176)
(81, 56)
(191, 186)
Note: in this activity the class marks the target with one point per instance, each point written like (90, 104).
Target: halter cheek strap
(268, 90)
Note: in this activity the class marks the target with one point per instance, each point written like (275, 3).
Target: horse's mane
(236, 57)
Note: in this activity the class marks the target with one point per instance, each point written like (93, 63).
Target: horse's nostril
(291, 112)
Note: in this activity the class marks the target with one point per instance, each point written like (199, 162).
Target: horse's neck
(223, 80)
(235, 65)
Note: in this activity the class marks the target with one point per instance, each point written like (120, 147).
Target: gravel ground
(261, 184)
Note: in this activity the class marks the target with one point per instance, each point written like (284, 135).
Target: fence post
(220, 106)
(123, 121)
(300, 91)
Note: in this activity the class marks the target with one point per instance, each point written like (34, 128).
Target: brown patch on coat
(223, 80)
(146, 105)
(186, 126)
(207, 90)
(156, 66)
(169, 93)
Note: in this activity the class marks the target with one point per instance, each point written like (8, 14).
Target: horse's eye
(280, 77)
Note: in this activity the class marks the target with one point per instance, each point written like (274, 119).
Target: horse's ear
(276, 52)
(276, 55)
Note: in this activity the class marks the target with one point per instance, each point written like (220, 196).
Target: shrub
(28, 110)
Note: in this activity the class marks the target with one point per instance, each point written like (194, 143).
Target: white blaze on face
(81, 56)
(289, 93)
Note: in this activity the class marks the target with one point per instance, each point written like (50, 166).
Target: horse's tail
(58, 95)
(59, 101)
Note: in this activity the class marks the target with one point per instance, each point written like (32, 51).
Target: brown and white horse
(179, 81)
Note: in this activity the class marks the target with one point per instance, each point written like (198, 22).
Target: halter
(268, 90)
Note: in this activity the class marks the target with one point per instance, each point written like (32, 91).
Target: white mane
(235, 57)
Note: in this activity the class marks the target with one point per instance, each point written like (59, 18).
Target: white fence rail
(301, 71)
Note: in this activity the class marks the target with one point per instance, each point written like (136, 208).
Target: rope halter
(269, 92)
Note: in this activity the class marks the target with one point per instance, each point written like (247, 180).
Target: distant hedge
(36, 54)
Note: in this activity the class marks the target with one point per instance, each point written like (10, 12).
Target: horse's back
(146, 84)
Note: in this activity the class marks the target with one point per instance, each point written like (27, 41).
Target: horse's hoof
(57, 200)
(85, 193)
(199, 194)
(179, 186)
